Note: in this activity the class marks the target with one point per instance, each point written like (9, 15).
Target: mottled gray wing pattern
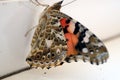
(48, 47)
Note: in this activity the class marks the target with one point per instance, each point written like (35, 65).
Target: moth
(59, 38)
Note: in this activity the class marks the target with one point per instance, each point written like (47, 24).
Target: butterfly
(59, 38)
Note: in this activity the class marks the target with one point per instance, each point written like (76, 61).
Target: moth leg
(37, 3)
(30, 30)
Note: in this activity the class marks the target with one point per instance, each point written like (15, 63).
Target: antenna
(37, 3)
(68, 3)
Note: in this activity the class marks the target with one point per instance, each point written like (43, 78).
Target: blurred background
(102, 17)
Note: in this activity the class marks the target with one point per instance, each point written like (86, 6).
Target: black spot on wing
(28, 59)
(67, 21)
(80, 46)
(77, 27)
(67, 59)
(82, 34)
(67, 39)
(61, 63)
(58, 17)
(54, 21)
(65, 29)
(60, 26)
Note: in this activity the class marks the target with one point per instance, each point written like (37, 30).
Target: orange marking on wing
(71, 43)
(63, 22)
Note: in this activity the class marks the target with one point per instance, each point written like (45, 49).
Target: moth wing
(49, 46)
(81, 42)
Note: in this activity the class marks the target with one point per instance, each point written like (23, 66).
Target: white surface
(15, 20)
(101, 17)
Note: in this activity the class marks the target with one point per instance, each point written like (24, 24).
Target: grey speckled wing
(48, 47)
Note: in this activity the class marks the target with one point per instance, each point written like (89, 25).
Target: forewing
(82, 43)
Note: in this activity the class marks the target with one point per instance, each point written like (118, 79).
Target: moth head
(56, 6)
